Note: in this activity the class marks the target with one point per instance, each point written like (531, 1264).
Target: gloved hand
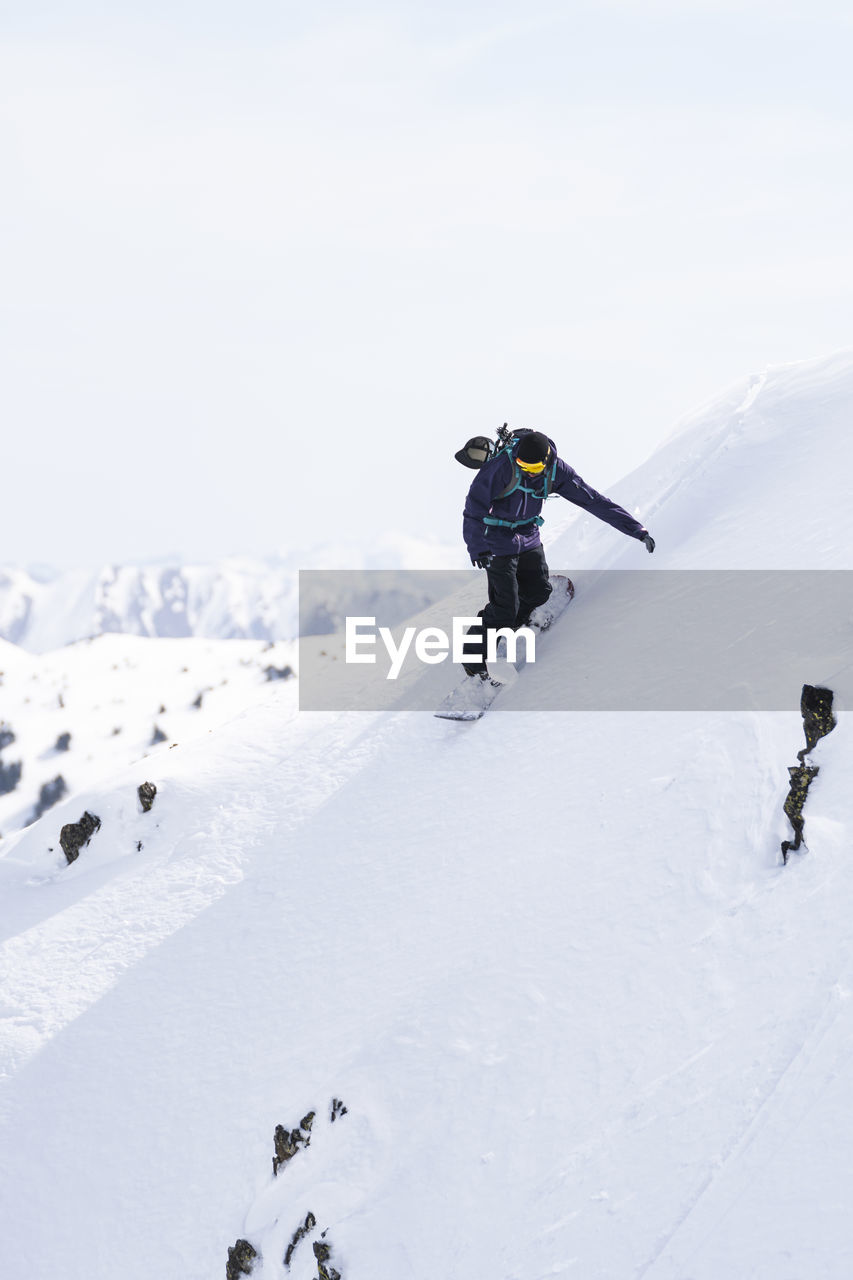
(648, 542)
(483, 561)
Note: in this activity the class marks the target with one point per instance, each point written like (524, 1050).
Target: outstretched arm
(570, 486)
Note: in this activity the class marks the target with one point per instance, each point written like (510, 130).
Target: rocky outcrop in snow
(74, 836)
(323, 1252)
(818, 721)
(241, 1258)
(146, 792)
(288, 1142)
(299, 1234)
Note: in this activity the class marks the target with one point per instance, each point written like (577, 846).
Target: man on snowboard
(501, 530)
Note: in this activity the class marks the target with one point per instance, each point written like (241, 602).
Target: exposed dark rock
(288, 1142)
(801, 779)
(7, 737)
(299, 1234)
(323, 1252)
(146, 792)
(818, 721)
(157, 736)
(198, 701)
(63, 742)
(278, 673)
(10, 776)
(74, 836)
(338, 1109)
(241, 1257)
(139, 846)
(285, 1146)
(49, 795)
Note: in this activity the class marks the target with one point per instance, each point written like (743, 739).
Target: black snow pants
(517, 584)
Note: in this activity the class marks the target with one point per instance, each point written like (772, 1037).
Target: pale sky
(265, 267)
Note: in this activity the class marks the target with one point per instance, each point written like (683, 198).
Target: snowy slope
(582, 1020)
(83, 711)
(761, 477)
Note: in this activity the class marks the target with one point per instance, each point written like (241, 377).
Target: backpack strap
(514, 484)
(549, 479)
(513, 524)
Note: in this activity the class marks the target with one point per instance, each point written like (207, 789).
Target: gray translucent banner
(638, 640)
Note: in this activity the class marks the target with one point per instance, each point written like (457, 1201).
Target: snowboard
(471, 699)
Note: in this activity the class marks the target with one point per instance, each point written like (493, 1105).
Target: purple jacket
(522, 507)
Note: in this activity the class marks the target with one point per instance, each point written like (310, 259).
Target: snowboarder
(501, 530)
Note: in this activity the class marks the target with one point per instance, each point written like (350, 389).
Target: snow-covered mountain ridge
(583, 1021)
(240, 598)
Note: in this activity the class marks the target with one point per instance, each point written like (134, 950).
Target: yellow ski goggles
(532, 468)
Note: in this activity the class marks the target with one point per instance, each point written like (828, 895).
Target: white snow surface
(583, 1021)
(110, 698)
(760, 478)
